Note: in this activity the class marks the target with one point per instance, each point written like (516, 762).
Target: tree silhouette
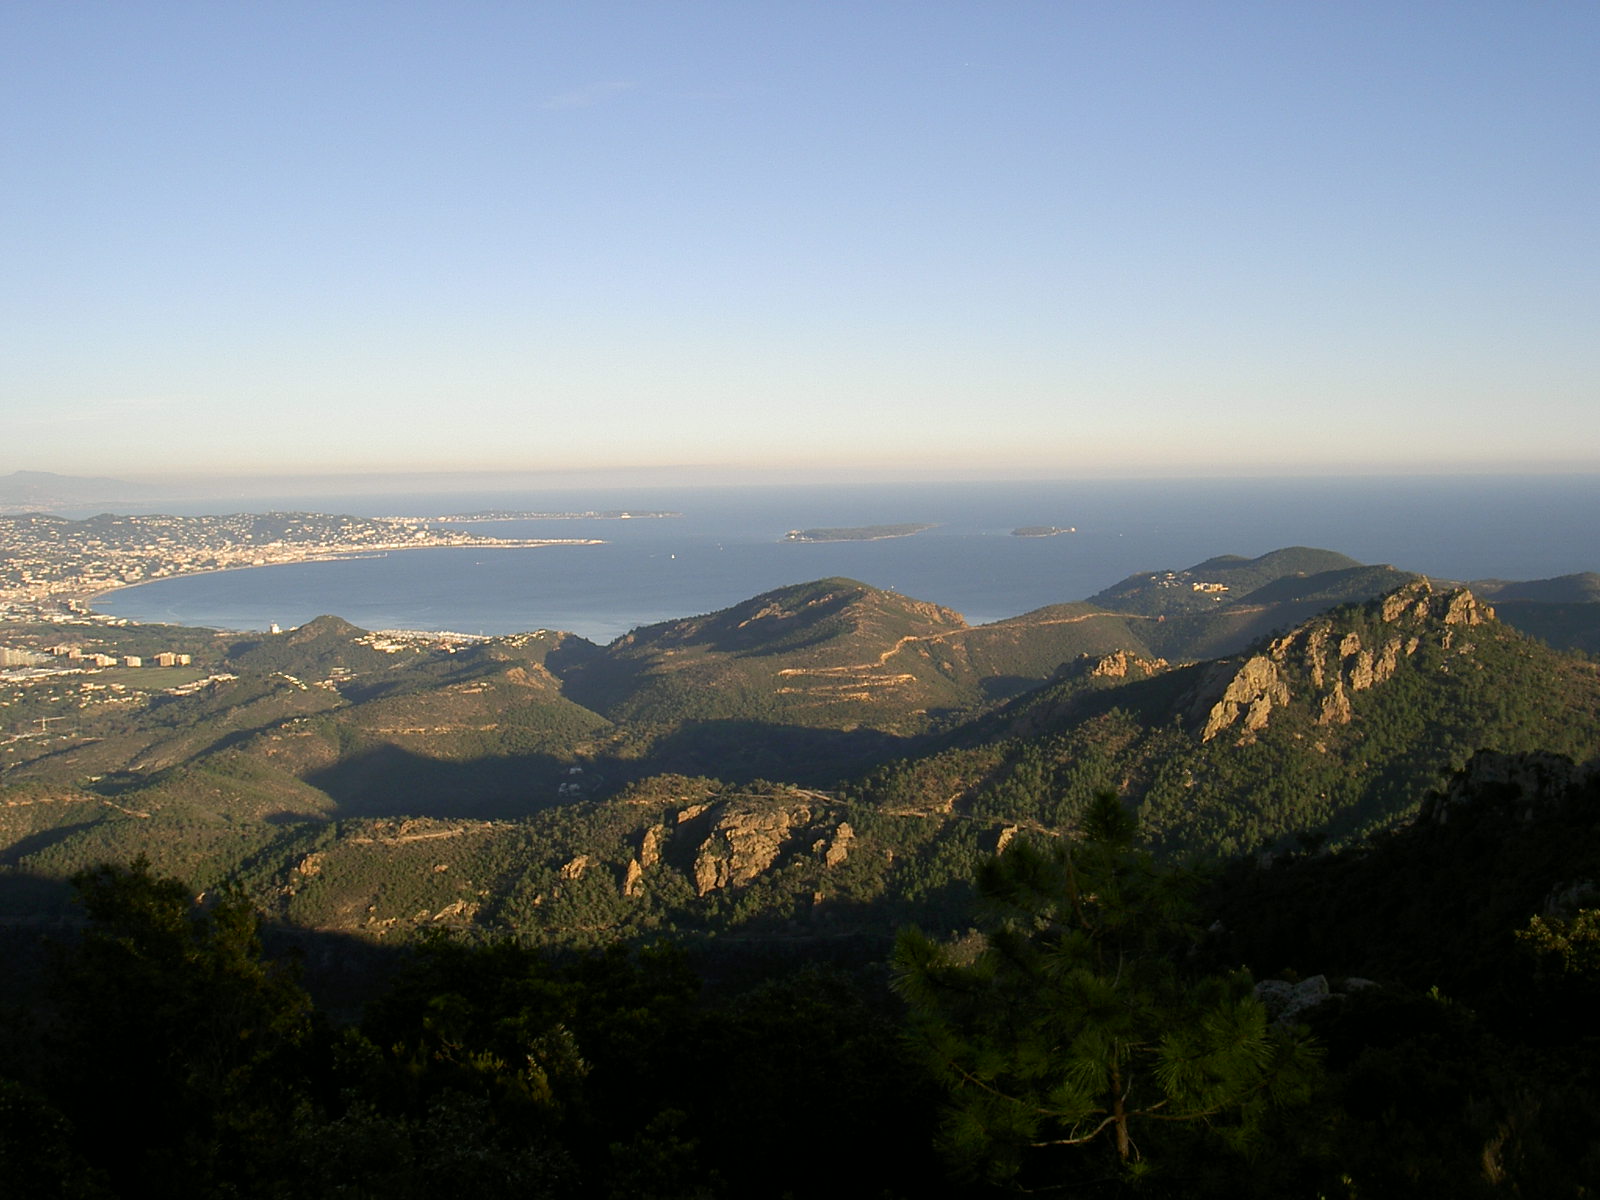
(1074, 1045)
(181, 1044)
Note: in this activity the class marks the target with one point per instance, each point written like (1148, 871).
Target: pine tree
(1073, 1043)
(180, 1043)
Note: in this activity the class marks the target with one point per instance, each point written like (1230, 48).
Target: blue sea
(729, 544)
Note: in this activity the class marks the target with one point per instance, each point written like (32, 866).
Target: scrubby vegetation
(586, 921)
(1112, 1026)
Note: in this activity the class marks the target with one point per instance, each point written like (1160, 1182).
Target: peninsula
(505, 514)
(859, 533)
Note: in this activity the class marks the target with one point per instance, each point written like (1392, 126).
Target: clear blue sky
(1017, 238)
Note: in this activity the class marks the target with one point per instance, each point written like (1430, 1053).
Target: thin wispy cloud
(589, 94)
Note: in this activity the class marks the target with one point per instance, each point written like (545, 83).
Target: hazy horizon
(195, 488)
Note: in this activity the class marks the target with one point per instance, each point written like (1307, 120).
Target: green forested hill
(792, 780)
(1216, 581)
(1334, 730)
(1414, 1016)
(1583, 588)
(813, 654)
(822, 760)
(1565, 611)
(321, 645)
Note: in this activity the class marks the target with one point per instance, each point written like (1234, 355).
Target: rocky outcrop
(1463, 608)
(1285, 1002)
(650, 843)
(1119, 664)
(745, 839)
(1569, 899)
(1515, 786)
(838, 848)
(1056, 706)
(460, 910)
(1247, 700)
(1241, 697)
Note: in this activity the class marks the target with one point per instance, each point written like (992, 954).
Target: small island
(859, 533)
(1042, 530)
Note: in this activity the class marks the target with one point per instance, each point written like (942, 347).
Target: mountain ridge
(359, 783)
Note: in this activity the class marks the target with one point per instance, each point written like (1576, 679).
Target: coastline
(87, 599)
(485, 518)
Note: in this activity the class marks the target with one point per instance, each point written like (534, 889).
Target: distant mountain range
(44, 491)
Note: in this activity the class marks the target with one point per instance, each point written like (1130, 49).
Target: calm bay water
(728, 545)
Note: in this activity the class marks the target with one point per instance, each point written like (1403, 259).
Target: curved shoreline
(87, 599)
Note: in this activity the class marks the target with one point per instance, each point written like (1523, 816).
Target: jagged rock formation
(1519, 785)
(650, 843)
(1048, 708)
(1118, 665)
(1287, 1003)
(381, 789)
(837, 849)
(1334, 665)
(1248, 698)
(745, 839)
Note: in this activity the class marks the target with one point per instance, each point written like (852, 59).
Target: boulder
(745, 839)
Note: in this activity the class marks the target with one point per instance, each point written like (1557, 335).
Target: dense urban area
(52, 565)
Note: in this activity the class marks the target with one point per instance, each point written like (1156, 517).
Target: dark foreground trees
(179, 1049)
(176, 1060)
(1086, 1041)
(1075, 1046)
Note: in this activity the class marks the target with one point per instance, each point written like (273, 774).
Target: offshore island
(858, 533)
(1042, 530)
